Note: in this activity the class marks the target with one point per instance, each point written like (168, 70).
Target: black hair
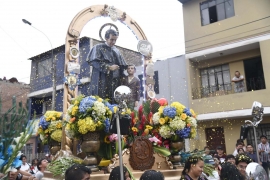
(39, 163)
(22, 156)
(76, 171)
(206, 147)
(263, 136)
(230, 172)
(115, 174)
(112, 32)
(239, 143)
(133, 66)
(229, 156)
(249, 145)
(152, 175)
(242, 158)
(240, 149)
(192, 160)
(33, 161)
(237, 71)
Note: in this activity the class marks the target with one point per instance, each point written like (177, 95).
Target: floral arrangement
(88, 114)
(59, 166)
(163, 123)
(50, 127)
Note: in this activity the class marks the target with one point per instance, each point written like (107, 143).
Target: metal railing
(225, 89)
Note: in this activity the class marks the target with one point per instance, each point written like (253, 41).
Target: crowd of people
(228, 167)
(224, 166)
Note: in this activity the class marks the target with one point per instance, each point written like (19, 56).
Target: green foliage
(12, 122)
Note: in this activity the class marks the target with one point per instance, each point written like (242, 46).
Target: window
(254, 75)
(262, 129)
(215, 79)
(47, 105)
(216, 10)
(43, 68)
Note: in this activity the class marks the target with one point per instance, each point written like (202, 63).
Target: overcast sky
(161, 20)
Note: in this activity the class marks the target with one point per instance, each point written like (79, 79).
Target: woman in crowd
(193, 169)
(115, 174)
(230, 172)
(33, 168)
(152, 175)
(240, 151)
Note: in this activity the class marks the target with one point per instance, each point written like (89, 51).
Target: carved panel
(141, 154)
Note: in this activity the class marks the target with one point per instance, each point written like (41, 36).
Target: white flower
(156, 118)
(67, 117)
(17, 139)
(100, 108)
(177, 124)
(193, 122)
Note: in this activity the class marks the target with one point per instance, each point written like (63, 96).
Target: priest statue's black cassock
(103, 80)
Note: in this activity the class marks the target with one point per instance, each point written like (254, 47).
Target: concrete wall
(231, 132)
(172, 75)
(251, 18)
(231, 101)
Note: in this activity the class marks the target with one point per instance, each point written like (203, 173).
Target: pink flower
(113, 137)
(154, 139)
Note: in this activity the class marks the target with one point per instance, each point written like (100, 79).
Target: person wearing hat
(264, 151)
(220, 154)
(209, 160)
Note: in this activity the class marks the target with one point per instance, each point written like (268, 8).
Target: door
(215, 137)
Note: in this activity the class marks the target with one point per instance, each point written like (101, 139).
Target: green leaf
(162, 150)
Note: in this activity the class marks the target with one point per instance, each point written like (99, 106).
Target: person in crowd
(250, 153)
(33, 168)
(230, 172)
(152, 175)
(115, 174)
(41, 165)
(238, 146)
(17, 174)
(220, 154)
(193, 169)
(264, 151)
(77, 171)
(134, 84)
(209, 160)
(206, 151)
(240, 151)
(239, 85)
(230, 159)
(25, 166)
(241, 161)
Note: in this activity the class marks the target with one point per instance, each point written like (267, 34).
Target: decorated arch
(72, 45)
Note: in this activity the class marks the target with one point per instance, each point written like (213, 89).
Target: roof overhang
(183, 1)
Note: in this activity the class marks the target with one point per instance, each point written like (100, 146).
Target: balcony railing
(225, 89)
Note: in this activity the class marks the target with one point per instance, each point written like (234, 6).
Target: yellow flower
(193, 132)
(134, 129)
(193, 113)
(160, 109)
(76, 103)
(99, 123)
(149, 127)
(40, 130)
(100, 99)
(74, 110)
(146, 131)
(106, 139)
(46, 131)
(162, 121)
(59, 125)
(183, 116)
(58, 115)
(167, 119)
(53, 118)
(47, 119)
(179, 107)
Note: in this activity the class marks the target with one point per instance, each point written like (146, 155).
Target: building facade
(222, 37)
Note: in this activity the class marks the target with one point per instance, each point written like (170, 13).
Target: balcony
(251, 84)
